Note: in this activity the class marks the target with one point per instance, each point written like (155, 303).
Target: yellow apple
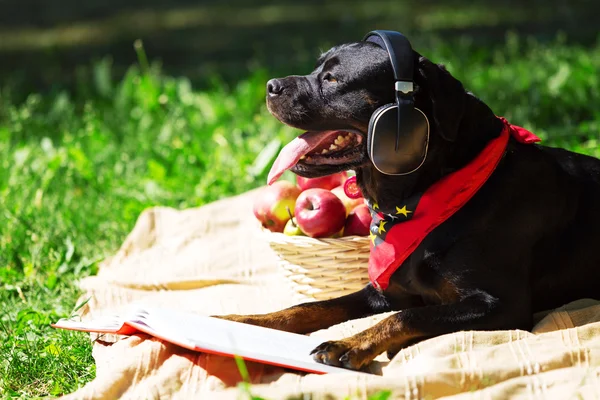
(274, 204)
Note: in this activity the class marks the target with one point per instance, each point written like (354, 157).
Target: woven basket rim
(312, 266)
(278, 237)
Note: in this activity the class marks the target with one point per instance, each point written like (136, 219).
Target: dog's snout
(274, 87)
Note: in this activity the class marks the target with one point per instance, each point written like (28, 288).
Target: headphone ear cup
(393, 149)
(380, 128)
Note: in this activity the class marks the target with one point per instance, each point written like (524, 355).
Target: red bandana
(395, 234)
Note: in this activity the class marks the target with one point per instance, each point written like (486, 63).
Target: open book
(212, 335)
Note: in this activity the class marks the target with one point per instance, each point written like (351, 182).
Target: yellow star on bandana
(372, 236)
(375, 206)
(382, 227)
(402, 211)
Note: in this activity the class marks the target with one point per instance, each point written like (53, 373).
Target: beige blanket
(214, 260)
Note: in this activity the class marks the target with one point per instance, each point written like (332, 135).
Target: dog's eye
(329, 78)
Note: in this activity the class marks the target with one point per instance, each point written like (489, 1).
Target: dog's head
(335, 102)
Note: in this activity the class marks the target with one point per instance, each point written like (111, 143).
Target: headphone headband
(399, 50)
(398, 135)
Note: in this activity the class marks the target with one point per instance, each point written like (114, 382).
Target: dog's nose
(274, 87)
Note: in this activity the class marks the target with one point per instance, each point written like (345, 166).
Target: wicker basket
(322, 269)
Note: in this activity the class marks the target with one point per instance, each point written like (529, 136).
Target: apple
(358, 222)
(320, 213)
(324, 182)
(338, 234)
(272, 203)
(349, 203)
(292, 228)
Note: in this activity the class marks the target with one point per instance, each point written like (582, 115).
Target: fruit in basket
(320, 213)
(349, 203)
(272, 203)
(358, 221)
(324, 182)
(351, 188)
(292, 228)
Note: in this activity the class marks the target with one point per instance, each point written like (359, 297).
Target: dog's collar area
(397, 231)
(402, 211)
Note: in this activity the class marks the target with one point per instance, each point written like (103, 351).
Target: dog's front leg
(310, 317)
(410, 325)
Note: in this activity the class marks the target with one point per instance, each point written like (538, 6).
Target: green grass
(77, 168)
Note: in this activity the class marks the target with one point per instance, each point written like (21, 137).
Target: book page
(109, 323)
(101, 324)
(212, 335)
(233, 338)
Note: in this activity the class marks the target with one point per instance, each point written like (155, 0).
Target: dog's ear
(446, 94)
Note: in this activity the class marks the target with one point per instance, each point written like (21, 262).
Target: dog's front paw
(348, 353)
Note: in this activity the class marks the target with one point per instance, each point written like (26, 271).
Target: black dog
(525, 242)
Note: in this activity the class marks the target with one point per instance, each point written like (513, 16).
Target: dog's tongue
(293, 151)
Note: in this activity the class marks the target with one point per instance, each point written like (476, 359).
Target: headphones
(398, 136)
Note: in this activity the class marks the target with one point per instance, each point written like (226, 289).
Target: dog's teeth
(339, 140)
(325, 151)
(333, 147)
(303, 157)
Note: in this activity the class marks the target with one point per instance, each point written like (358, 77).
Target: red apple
(324, 182)
(319, 213)
(358, 221)
(272, 202)
(349, 203)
